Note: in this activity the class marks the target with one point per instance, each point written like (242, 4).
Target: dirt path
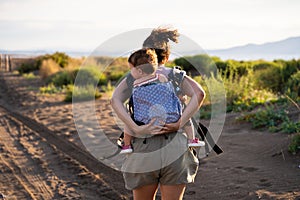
(42, 165)
(254, 165)
(42, 156)
(40, 170)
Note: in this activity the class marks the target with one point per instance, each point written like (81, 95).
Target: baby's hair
(159, 40)
(145, 59)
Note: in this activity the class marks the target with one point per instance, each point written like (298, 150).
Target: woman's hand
(168, 128)
(147, 128)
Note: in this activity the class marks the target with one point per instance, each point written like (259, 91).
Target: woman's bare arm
(196, 93)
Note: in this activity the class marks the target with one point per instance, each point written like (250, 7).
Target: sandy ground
(42, 156)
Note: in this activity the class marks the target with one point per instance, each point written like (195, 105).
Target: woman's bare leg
(146, 192)
(172, 192)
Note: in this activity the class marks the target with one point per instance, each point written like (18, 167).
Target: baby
(153, 97)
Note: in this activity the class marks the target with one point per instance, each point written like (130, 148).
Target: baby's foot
(195, 143)
(126, 149)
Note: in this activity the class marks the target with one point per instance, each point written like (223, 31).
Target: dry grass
(48, 68)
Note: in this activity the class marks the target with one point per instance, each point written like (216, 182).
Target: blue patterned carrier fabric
(156, 100)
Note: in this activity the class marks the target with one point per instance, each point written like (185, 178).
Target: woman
(173, 165)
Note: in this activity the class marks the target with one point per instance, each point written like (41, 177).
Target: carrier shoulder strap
(130, 80)
(176, 76)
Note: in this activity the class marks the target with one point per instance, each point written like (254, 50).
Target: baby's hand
(183, 98)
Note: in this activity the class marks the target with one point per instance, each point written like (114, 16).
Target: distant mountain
(284, 49)
(33, 53)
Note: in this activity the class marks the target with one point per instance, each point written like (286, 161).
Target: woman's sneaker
(196, 143)
(126, 149)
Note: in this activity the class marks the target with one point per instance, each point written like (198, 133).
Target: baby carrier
(176, 77)
(154, 100)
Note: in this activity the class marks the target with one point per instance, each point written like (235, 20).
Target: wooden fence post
(0, 62)
(9, 63)
(6, 63)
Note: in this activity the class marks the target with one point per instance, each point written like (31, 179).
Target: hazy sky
(85, 24)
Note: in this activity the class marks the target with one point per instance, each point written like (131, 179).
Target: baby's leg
(126, 147)
(127, 137)
(189, 130)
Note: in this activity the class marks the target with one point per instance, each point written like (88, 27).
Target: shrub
(115, 75)
(241, 93)
(81, 93)
(29, 76)
(269, 76)
(232, 67)
(62, 78)
(26, 68)
(60, 58)
(290, 127)
(48, 68)
(294, 146)
(292, 87)
(201, 62)
(268, 117)
(274, 120)
(49, 89)
(289, 68)
(89, 76)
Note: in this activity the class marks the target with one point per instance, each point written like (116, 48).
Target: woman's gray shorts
(160, 159)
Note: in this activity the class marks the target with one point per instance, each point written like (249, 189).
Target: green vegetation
(261, 90)
(49, 89)
(294, 146)
(81, 93)
(275, 119)
(29, 75)
(265, 92)
(60, 73)
(60, 58)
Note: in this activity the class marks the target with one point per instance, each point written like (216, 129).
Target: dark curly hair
(159, 40)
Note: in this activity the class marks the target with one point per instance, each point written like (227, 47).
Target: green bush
(27, 68)
(60, 58)
(289, 68)
(269, 76)
(232, 67)
(294, 146)
(201, 62)
(49, 89)
(273, 119)
(89, 76)
(62, 78)
(115, 75)
(81, 93)
(290, 127)
(29, 75)
(268, 117)
(292, 87)
(107, 88)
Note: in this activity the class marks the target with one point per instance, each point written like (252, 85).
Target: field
(42, 156)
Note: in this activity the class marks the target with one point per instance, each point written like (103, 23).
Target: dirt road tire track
(28, 179)
(110, 181)
(108, 175)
